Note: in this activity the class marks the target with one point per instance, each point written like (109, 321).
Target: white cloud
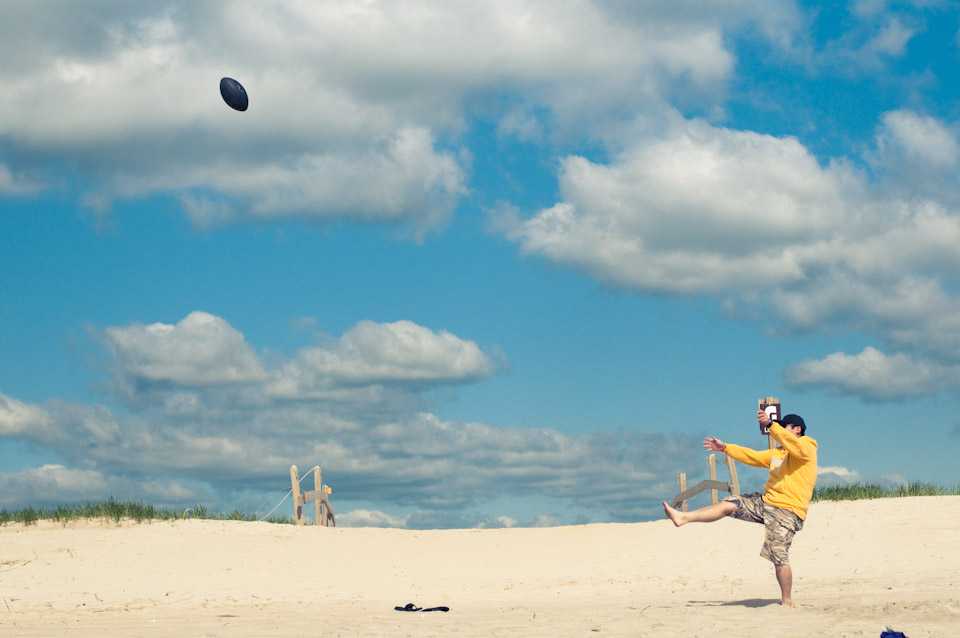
(702, 210)
(838, 471)
(186, 431)
(11, 184)
(546, 521)
(868, 41)
(406, 174)
(891, 40)
(867, 8)
(18, 418)
(395, 180)
(370, 518)
(51, 485)
(366, 121)
(363, 121)
(199, 350)
(919, 138)
(872, 374)
(835, 476)
(521, 124)
(371, 353)
(188, 366)
(828, 476)
(206, 212)
(758, 223)
(917, 156)
(54, 485)
(434, 469)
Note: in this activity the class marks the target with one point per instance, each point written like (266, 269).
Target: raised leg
(706, 514)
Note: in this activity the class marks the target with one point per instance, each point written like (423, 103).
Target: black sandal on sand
(408, 607)
(412, 607)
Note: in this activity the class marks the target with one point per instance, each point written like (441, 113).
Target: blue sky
(486, 263)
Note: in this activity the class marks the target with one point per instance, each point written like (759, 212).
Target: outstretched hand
(763, 418)
(714, 444)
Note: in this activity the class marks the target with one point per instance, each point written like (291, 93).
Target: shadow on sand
(750, 602)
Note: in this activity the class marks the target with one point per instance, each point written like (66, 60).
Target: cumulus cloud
(199, 350)
(830, 476)
(372, 353)
(759, 224)
(920, 138)
(437, 470)
(872, 374)
(838, 471)
(702, 210)
(51, 484)
(365, 122)
(405, 179)
(890, 40)
(370, 518)
(368, 123)
(873, 37)
(18, 418)
(197, 433)
(916, 153)
(836, 476)
(13, 184)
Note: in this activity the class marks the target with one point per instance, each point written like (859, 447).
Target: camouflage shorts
(780, 525)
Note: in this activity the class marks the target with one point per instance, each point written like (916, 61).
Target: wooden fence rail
(712, 484)
(319, 495)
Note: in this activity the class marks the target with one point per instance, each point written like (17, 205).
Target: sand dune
(857, 565)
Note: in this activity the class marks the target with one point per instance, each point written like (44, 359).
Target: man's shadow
(750, 602)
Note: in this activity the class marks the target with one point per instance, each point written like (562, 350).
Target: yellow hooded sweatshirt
(793, 469)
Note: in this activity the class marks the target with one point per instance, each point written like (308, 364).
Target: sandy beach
(857, 566)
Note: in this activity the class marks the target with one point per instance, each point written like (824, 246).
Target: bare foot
(673, 515)
(787, 603)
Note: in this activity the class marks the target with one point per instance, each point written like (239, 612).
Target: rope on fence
(289, 492)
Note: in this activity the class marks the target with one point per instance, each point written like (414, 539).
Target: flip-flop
(412, 607)
(408, 607)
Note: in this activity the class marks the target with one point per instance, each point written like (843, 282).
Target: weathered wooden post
(712, 464)
(297, 503)
(318, 487)
(319, 494)
(712, 484)
(734, 481)
(682, 479)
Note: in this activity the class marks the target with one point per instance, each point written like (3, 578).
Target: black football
(234, 94)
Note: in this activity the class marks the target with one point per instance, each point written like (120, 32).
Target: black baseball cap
(794, 419)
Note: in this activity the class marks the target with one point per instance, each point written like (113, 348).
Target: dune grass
(860, 491)
(112, 509)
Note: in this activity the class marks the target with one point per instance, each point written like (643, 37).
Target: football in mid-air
(234, 94)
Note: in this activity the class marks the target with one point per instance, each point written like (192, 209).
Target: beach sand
(858, 566)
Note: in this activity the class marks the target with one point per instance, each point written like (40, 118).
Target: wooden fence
(319, 495)
(712, 484)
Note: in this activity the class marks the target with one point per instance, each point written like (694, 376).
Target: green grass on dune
(860, 491)
(112, 509)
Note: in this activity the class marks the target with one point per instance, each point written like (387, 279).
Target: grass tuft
(112, 509)
(861, 491)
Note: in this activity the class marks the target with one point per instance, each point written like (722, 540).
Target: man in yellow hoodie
(782, 507)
